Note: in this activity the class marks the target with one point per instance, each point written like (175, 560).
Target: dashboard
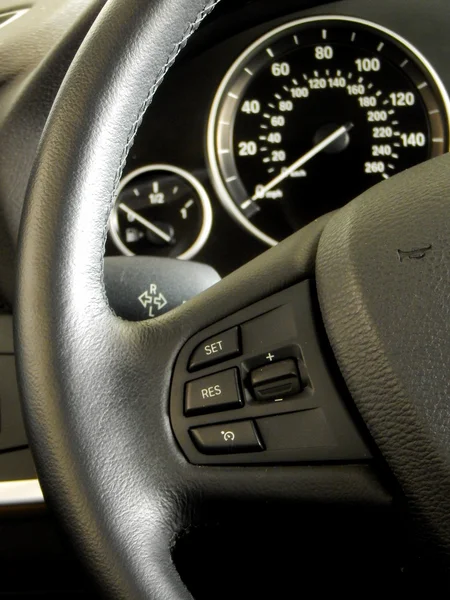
(274, 114)
(261, 129)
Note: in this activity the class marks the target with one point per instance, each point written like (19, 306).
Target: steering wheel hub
(383, 280)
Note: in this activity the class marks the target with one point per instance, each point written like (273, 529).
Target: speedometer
(315, 112)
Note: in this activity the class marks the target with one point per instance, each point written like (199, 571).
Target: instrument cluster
(255, 135)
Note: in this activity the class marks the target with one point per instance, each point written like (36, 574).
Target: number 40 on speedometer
(315, 112)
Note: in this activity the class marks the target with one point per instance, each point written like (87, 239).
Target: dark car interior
(224, 292)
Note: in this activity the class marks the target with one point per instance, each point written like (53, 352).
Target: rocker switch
(277, 380)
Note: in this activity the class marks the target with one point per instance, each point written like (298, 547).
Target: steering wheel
(96, 388)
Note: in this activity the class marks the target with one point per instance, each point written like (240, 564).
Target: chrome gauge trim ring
(194, 182)
(212, 130)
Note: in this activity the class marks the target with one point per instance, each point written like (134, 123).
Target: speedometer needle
(131, 213)
(301, 161)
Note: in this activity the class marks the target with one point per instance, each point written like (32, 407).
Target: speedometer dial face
(314, 113)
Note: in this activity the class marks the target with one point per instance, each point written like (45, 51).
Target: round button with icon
(227, 438)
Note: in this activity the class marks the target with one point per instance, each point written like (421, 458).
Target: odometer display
(314, 113)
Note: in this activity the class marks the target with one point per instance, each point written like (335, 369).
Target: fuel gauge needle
(298, 163)
(145, 223)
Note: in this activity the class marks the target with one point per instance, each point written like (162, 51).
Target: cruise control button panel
(227, 438)
(219, 391)
(255, 388)
(216, 349)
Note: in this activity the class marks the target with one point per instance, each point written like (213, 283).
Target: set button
(220, 391)
(215, 349)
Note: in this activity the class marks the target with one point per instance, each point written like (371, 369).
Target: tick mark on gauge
(271, 105)
(305, 76)
(270, 52)
(316, 73)
(391, 112)
(370, 86)
(233, 95)
(394, 122)
(285, 88)
(295, 82)
(338, 73)
(385, 176)
(327, 72)
(263, 137)
(436, 140)
(391, 166)
(246, 204)
(262, 126)
(404, 63)
(224, 151)
(223, 123)
(266, 115)
(230, 179)
(422, 85)
(353, 37)
(395, 155)
(277, 96)
(435, 111)
(247, 70)
(267, 159)
(360, 79)
(380, 46)
(378, 93)
(350, 75)
(296, 39)
(324, 34)
(136, 192)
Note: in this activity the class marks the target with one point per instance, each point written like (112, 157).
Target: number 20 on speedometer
(315, 112)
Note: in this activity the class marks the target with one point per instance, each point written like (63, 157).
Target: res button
(221, 346)
(213, 393)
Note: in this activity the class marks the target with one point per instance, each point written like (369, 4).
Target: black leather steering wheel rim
(86, 133)
(95, 387)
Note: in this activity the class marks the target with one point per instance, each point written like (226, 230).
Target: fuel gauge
(161, 210)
